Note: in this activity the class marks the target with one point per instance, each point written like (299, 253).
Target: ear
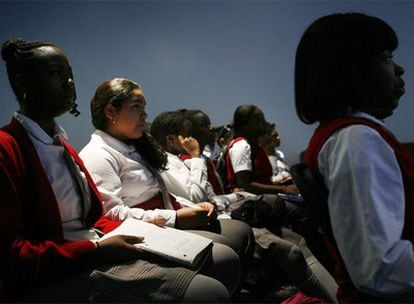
(221, 141)
(110, 112)
(21, 87)
(170, 141)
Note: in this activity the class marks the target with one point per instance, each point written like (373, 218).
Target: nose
(71, 83)
(399, 70)
(144, 114)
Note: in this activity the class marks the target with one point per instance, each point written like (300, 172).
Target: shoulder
(96, 154)
(356, 144)
(240, 143)
(8, 143)
(357, 135)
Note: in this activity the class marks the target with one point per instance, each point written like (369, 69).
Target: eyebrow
(140, 100)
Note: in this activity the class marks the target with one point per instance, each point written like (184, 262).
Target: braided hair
(19, 54)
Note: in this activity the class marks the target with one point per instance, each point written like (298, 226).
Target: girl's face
(127, 122)
(49, 86)
(256, 126)
(202, 129)
(387, 86)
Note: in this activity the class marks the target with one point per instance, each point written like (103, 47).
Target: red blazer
(347, 293)
(262, 169)
(32, 247)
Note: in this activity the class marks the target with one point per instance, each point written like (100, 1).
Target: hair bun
(10, 47)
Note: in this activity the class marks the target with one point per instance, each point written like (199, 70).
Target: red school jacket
(32, 247)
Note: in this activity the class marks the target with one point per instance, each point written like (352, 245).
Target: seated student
(189, 178)
(248, 166)
(349, 86)
(224, 135)
(124, 162)
(50, 248)
(204, 133)
(270, 142)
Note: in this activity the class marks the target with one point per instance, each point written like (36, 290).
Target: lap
(136, 281)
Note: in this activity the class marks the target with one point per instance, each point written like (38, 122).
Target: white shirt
(60, 178)
(280, 170)
(212, 152)
(366, 205)
(241, 156)
(188, 180)
(122, 179)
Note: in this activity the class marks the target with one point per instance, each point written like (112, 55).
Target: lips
(400, 87)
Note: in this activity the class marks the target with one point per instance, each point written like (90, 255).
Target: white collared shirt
(188, 180)
(60, 178)
(366, 206)
(121, 178)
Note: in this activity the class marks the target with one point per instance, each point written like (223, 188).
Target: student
(347, 80)
(50, 248)
(270, 143)
(248, 166)
(172, 131)
(124, 162)
(187, 176)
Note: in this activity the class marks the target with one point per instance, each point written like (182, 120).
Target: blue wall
(211, 55)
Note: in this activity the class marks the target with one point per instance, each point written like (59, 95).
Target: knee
(205, 289)
(226, 257)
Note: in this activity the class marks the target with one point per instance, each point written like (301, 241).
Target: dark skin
(202, 130)
(49, 92)
(255, 128)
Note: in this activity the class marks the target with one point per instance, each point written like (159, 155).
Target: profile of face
(127, 122)
(202, 129)
(387, 86)
(256, 125)
(275, 138)
(173, 144)
(48, 86)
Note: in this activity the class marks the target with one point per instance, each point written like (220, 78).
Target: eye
(55, 72)
(388, 56)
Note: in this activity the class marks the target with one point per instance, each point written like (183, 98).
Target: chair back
(315, 194)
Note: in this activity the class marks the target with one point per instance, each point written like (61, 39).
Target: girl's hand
(290, 189)
(190, 145)
(192, 218)
(159, 221)
(211, 208)
(119, 248)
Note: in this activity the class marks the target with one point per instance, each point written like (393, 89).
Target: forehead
(137, 97)
(51, 55)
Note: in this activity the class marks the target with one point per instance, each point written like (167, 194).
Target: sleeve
(105, 170)
(28, 259)
(241, 156)
(367, 211)
(188, 180)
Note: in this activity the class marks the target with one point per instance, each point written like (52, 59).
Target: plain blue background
(209, 55)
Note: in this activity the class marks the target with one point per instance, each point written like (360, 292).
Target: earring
(113, 121)
(24, 96)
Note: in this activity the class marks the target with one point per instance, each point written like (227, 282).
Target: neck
(46, 123)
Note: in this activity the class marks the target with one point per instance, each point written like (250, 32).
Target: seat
(315, 194)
